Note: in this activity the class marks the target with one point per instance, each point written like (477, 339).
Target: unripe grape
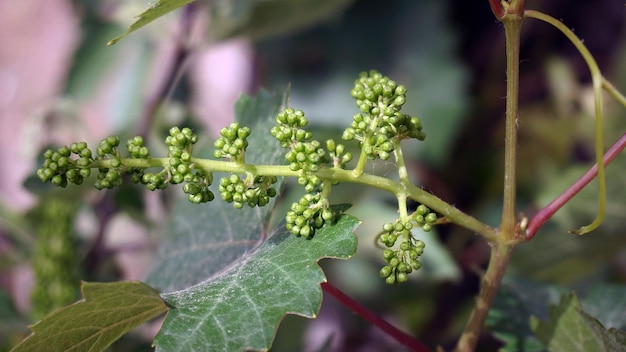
(402, 277)
(431, 218)
(385, 271)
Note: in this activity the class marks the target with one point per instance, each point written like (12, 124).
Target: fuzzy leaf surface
(570, 329)
(106, 312)
(241, 308)
(204, 239)
(156, 10)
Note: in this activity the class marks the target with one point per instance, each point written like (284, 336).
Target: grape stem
(452, 214)
(508, 236)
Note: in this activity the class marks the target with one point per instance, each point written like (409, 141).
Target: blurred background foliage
(59, 83)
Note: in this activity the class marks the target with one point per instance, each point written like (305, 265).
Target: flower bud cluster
(111, 176)
(232, 143)
(181, 168)
(54, 260)
(305, 154)
(74, 163)
(380, 122)
(338, 154)
(307, 215)
(403, 259)
(59, 167)
(253, 191)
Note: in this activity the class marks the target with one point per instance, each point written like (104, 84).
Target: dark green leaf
(612, 339)
(570, 329)
(241, 307)
(107, 311)
(156, 10)
(607, 303)
(509, 317)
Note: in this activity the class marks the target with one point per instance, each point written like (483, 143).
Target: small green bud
(385, 271)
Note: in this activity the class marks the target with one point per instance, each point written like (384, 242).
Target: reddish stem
(374, 319)
(546, 213)
(496, 8)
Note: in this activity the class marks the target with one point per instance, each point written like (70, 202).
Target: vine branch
(374, 319)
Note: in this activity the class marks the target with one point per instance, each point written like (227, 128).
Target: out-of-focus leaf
(572, 257)
(262, 18)
(612, 339)
(570, 329)
(157, 9)
(323, 64)
(107, 311)
(607, 303)
(240, 308)
(516, 302)
(201, 240)
(519, 299)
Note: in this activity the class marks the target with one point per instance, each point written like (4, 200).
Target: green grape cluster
(59, 167)
(109, 177)
(232, 143)
(182, 169)
(153, 181)
(305, 154)
(380, 122)
(137, 149)
(338, 154)
(73, 164)
(307, 215)
(54, 260)
(253, 191)
(402, 260)
(179, 150)
(290, 128)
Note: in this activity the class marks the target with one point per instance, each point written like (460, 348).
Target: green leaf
(204, 239)
(516, 302)
(240, 308)
(569, 329)
(612, 339)
(107, 311)
(156, 10)
(607, 303)
(261, 19)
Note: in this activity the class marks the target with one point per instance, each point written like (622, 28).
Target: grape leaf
(107, 311)
(607, 303)
(156, 10)
(570, 329)
(204, 239)
(612, 339)
(517, 300)
(240, 308)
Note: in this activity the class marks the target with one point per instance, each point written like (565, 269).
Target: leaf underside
(107, 311)
(241, 308)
